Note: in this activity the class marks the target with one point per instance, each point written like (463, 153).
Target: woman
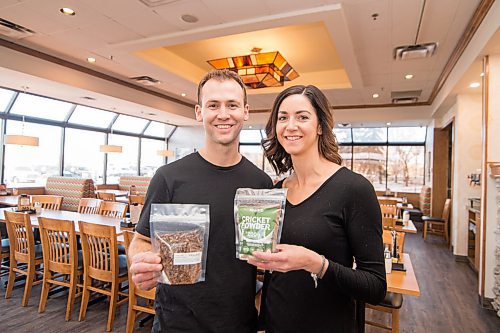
(332, 218)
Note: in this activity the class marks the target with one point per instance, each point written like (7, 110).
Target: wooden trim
(494, 170)
(476, 20)
(85, 70)
(459, 258)
(484, 176)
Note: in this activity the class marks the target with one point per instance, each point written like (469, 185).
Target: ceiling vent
(13, 30)
(157, 3)
(417, 51)
(405, 97)
(145, 80)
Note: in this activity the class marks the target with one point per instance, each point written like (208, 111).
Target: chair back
(389, 214)
(58, 245)
(400, 239)
(106, 196)
(113, 209)
(89, 206)
(21, 238)
(100, 252)
(446, 210)
(133, 290)
(138, 199)
(52, 202)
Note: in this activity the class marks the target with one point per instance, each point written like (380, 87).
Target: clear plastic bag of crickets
(179, 234)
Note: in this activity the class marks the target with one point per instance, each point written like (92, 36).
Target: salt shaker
(388, 260)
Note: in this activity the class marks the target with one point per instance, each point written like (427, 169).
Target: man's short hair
(222, 75)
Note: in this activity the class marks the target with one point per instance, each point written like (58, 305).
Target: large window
(254, 154)
(125, 163)
(84, 115)
(26, 165)
(84, 160)
(405, 168)
(150, 160)
(5, 98)
(41, 107)
(85, 129)
(389, 157)
(130, 124)
(370, 162)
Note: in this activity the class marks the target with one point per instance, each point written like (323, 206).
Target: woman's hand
(288, 258)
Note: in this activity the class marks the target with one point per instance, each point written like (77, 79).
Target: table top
(403, 282)
(9, 200)
(409, 228)
(72, 216)
(381, 197)
(117, 193)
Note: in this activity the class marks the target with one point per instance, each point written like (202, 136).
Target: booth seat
(72, 189)
(141, 183)
(424, 205)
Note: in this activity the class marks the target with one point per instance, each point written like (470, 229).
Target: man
(224, 302)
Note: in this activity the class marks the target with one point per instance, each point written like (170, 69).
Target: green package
(258, 220)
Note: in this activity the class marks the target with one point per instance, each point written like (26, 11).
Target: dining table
(117, 193)
(72, 216)
(403, 282)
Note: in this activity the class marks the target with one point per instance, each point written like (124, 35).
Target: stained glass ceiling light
(258, 70)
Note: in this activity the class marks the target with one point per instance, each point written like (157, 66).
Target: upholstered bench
(72, 189)
(424, 205)
(141, 183)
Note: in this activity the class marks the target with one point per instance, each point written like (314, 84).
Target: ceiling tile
(172, 13)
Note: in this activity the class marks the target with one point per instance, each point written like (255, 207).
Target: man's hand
(144, 268)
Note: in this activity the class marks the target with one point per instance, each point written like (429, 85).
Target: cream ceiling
(337, 45)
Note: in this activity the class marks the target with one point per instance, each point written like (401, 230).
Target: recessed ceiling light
(67, 11)
(388, 123)
(409, 76)
(91, 60)
(189, 18)
(475, 84)
(482, 74)
(375, 95)
(183, 94)
(250, 127)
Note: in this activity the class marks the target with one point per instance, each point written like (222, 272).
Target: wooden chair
(5, 249)
(389, 215)
(392, 301)
(134, 293)
(89, 206)
(102, 262)
(22, 250)
(113, 209)
(52, 202)
(438, 225)
(106, 196)
(136, 199)
(391, 304)
(60, 259)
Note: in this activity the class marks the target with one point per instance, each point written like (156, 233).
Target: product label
(256, 226)
(188, 258)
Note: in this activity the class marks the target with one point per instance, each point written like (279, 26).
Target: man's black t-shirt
(224, 302)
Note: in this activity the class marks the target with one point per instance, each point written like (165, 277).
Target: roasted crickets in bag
(258, 217)
(179, 234)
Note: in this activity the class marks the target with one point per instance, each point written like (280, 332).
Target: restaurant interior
(96, 95)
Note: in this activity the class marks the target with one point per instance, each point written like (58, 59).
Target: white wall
(493, 142)
(466, 113)
(429, 153)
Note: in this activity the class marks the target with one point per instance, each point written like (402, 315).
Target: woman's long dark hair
(280, 160)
